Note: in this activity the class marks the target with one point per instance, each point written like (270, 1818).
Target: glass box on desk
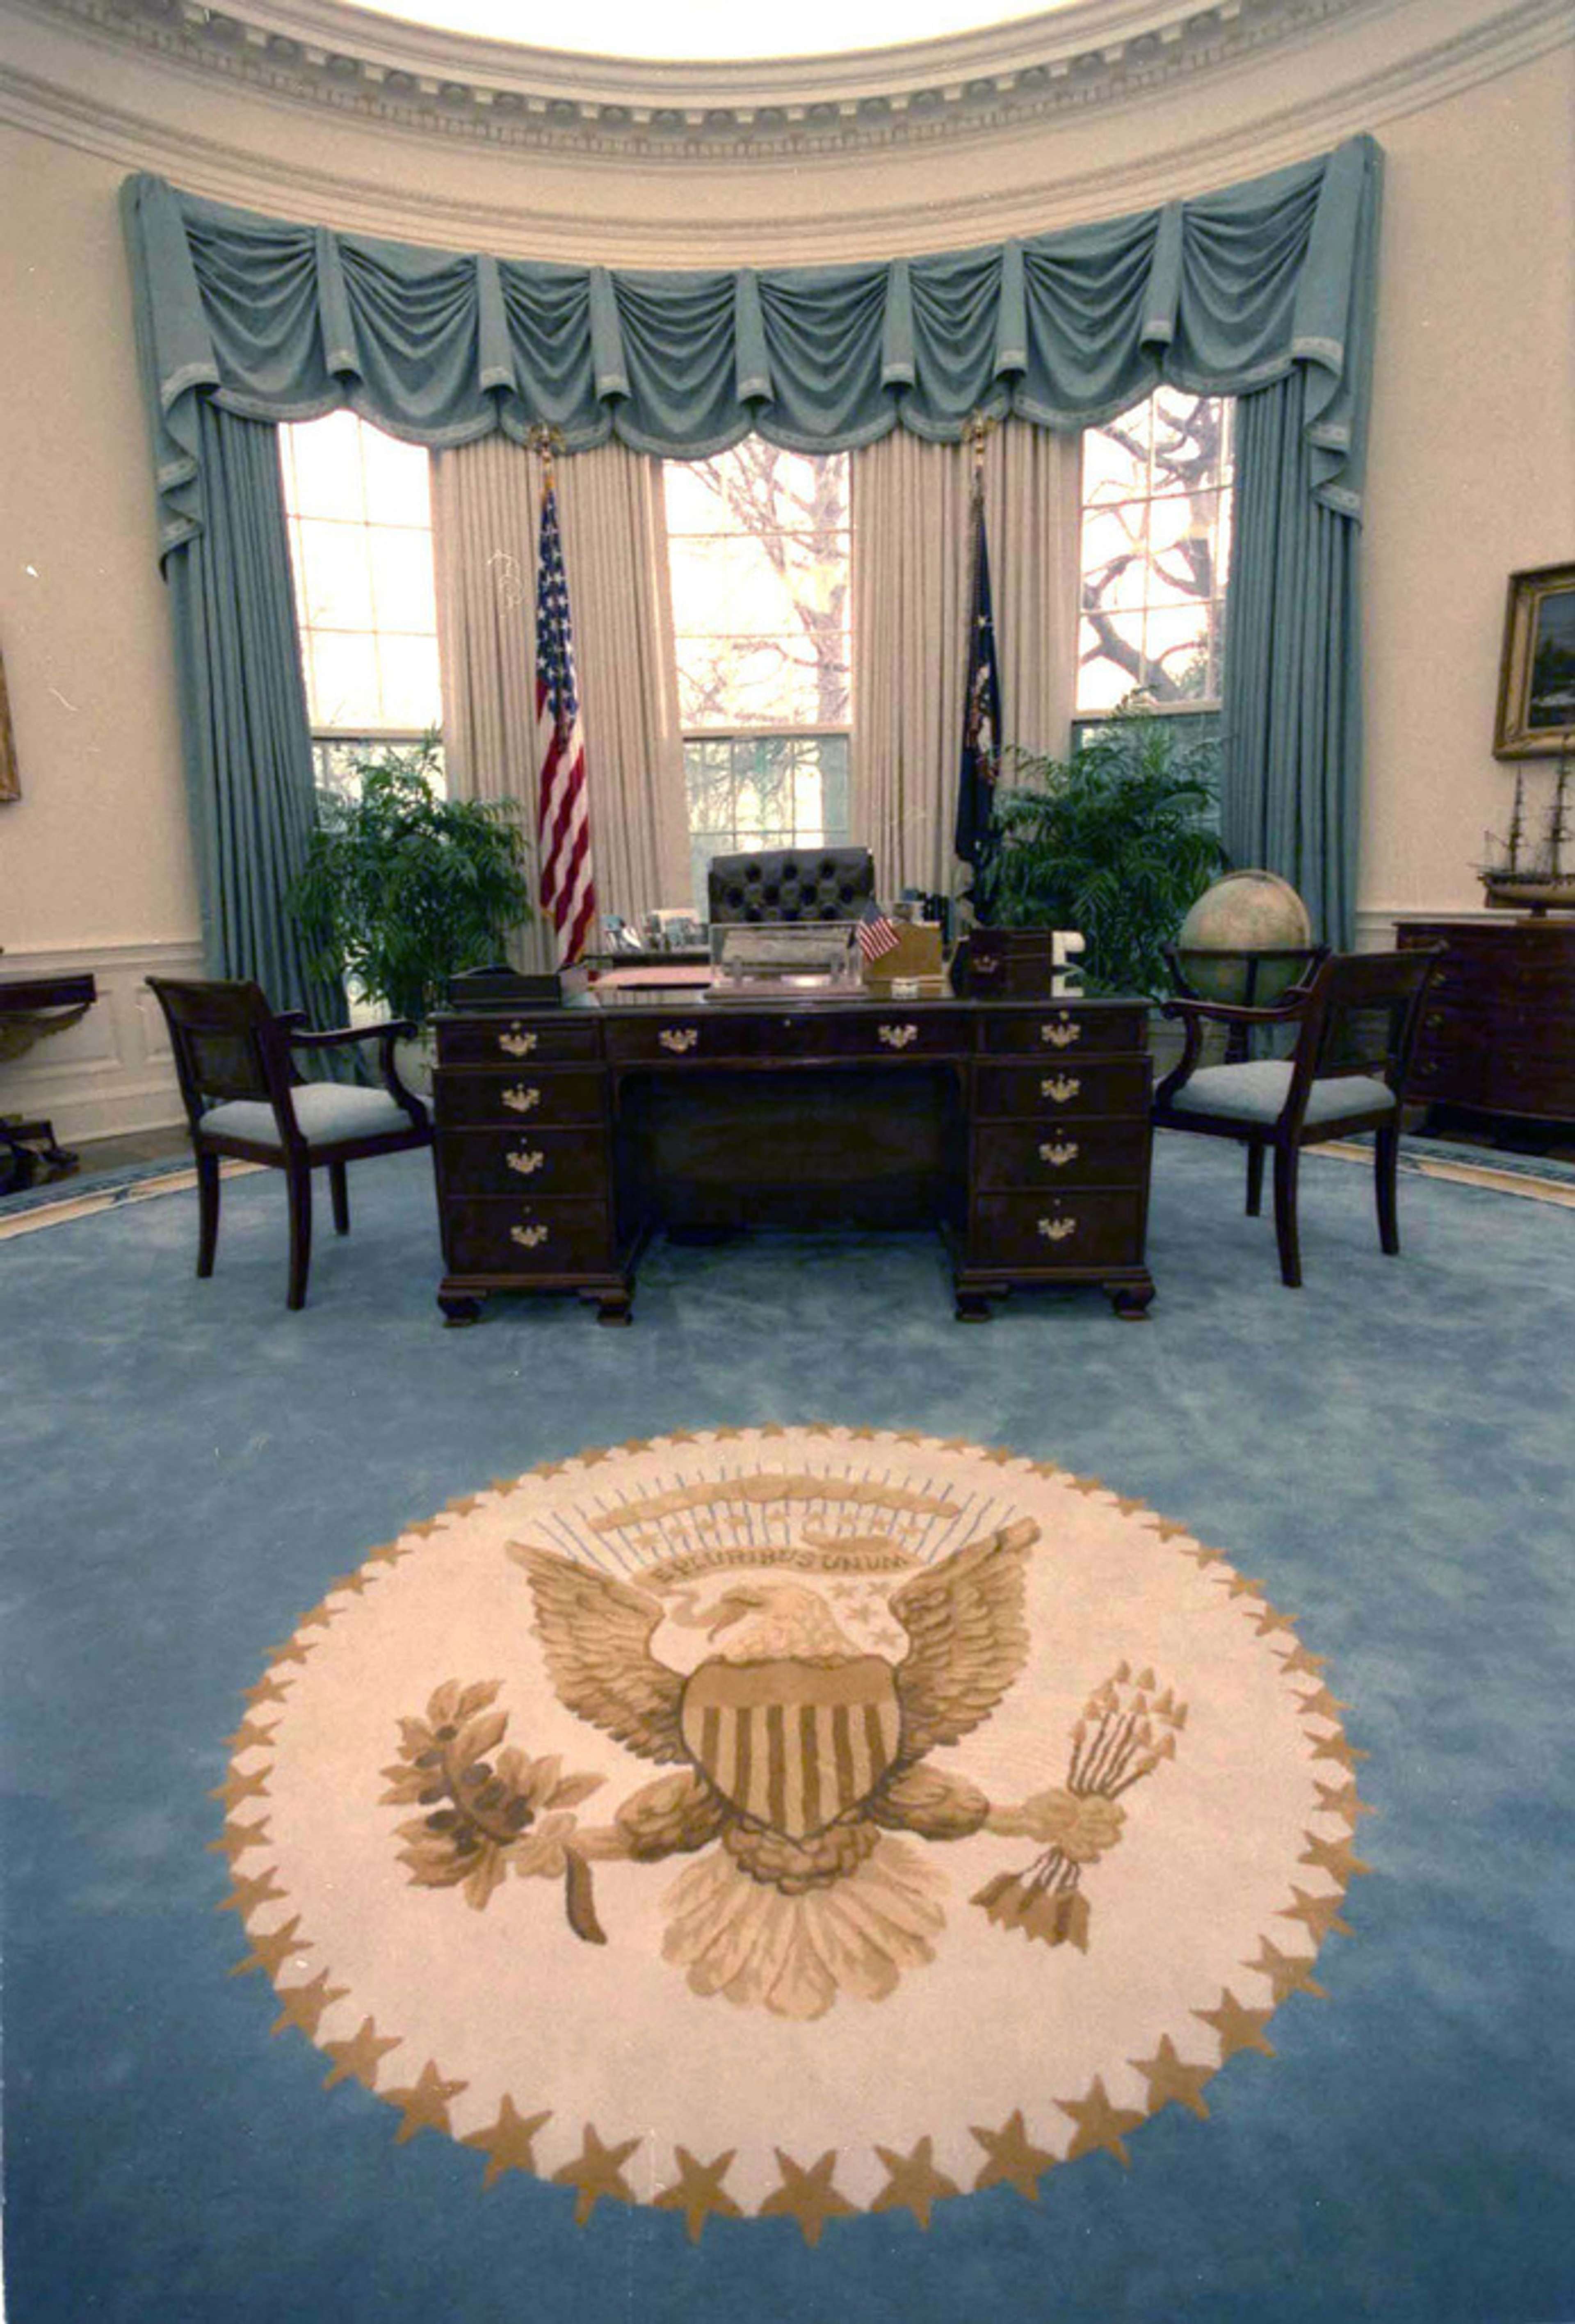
(804, 960)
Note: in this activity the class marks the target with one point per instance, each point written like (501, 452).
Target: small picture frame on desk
(1536, 678)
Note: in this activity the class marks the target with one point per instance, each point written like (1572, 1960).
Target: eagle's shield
(794, 1744)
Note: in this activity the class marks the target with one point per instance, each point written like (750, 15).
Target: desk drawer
(1047, 1092)
(504, 1040)
(473, 1094)
(526, 1239)
(1071, 1154)
(1063, 1029)
(727, 1036)
(522, 1162)
(1023, 1233)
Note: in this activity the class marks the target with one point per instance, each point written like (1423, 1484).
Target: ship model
(1523, 876)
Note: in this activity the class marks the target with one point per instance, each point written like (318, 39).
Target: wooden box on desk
(916, 955)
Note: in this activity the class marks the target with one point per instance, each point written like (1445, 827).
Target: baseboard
(111, 1072)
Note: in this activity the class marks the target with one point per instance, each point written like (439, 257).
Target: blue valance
(1223, 294)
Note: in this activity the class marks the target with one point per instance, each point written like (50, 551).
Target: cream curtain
(485, 513)
(912, 545)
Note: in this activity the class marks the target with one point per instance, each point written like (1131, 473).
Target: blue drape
(1266, 285)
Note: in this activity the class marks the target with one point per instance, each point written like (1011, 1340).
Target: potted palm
(403, 887)
(1117, 841)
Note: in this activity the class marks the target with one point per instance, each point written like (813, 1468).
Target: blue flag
(982, 707)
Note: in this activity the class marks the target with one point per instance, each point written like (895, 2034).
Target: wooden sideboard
(1498, 1033)
(565, 1135)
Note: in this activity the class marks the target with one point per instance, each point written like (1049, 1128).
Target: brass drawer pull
(1057, 1229)
(985, 964)
(516, 1041)
(520, 1100)
(525, 1160)
(1059, 1154)
(1060, 1088)
(1062, 1031)
(680, 1040)
(898, 1037)
(531, 1237)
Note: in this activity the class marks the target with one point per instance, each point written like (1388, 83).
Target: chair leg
(1255, 1179)
(1287, 1158)
(1386, 1184)
(207, 1210)
(339, 1187)
(299, 1178)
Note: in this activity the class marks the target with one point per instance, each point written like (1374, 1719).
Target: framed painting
(1537, 680)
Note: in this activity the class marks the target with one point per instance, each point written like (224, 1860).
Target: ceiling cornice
(383, 74)
(1039, 186)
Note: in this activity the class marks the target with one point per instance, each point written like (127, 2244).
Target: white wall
(1473, 454)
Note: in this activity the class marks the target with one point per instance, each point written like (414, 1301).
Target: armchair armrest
(385, 1033)
(1236, 1012)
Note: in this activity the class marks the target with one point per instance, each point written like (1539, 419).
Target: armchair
(1355, 1018)
(235, 1057)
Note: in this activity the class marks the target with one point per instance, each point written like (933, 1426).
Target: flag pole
(980, 763)
(568, 894)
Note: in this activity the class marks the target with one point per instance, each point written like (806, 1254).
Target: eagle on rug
(802, 1755)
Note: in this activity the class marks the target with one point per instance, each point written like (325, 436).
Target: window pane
(402, 578)
(410, 690)
(398, 486)
(334, 573)
(763, 791)
(328, 467)
(342, 688)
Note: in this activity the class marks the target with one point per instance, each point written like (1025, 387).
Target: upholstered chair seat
(327, 1112)
(1258, 1091)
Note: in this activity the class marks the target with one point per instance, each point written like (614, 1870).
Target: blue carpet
(1391, 1449)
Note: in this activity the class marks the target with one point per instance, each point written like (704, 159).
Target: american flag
(563, 818)
(981, 706)
(877, 934)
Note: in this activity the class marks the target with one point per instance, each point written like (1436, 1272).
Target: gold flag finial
(977, 430)
(541, 436)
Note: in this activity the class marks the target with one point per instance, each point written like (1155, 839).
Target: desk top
(20, 993)
(688, 998)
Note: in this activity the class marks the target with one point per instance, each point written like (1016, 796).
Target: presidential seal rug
(793, 1822)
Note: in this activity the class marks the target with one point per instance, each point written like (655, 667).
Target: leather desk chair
(791, 883)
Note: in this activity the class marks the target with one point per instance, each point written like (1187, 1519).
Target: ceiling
(715, 30)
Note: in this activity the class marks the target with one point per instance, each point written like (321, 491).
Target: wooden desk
(566, 1136)
(1497, 1032)
(31, 1006)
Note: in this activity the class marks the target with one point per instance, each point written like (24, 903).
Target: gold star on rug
(237, 1787)
(1322, 1705)
(1239, 2028)
(807, 2196)
(1270, 1619)
(318, 1617)
(246, 1895)
(355, 1583)
(1287, 1973)
(914, 2185)
(304, 2004)
(357, 2059)
(270, 1952)
(291, 1651)
(1335, 1857)
(1317, 1913)
(1014, 2160)
(1299, 1659)
(1171, 2082)
(425, 2104)
(597, 2170)
(1340, 1800)
(682, 1437)
(1241, 1585)
(268, 1690)
(1335, 1747)
(237, 1837)
(1086, 1486)
(247, 1738)
(1099, 2124)
(508, 2145)
(697, 2192)
(588, 1459)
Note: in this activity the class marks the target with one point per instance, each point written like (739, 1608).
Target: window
(759, 549)
(1156, 553)
(361, 544)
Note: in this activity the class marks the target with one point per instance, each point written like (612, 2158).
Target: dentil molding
(377, 72)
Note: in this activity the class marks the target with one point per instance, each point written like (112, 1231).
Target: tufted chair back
(791, 883)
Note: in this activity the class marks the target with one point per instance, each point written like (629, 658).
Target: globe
(1245, 912)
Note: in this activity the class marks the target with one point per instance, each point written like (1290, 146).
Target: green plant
(403, 889)
(1118, 840)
